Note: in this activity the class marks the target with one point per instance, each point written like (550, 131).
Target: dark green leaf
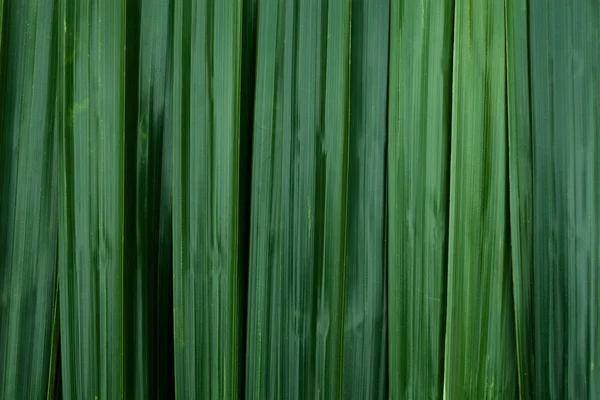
(365, 322)
(147, 200)
(565, 120)
(28, 196)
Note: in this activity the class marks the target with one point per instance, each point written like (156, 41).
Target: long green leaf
(365, 324)
(521, 190)
(480, 360)
(148, 203)
(298, 220)
(418, 151)
(28, 196)
(565, 119)
(206, 170)
(91, 200)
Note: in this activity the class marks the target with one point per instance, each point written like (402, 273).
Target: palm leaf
(418, 165)
(365, 322)
(480, 360)
(298, 217)
(521, 191)
(206, 171)
(28, 196)
(565, 120)
(91, 200)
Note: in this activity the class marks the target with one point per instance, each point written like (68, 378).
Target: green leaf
(365, 322)
(299, 197)
(148, 200)
(565, 121)
(521, 190)
(206, 204)
(480, 359)
(418, 181)
(91, 198)
(28, 196)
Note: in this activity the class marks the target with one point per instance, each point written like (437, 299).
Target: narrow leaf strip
(28, 196)
(91, 200)
(418, 168)
(365, 324)
(299, 197)
(206, 170)
(480, 360)
(151, 296)
(521, 190)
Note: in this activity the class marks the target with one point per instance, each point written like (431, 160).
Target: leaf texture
(91, 198)
(565, 120)
(206, 204)
(418, 181)
(28, 196)
(365, 322)
(480, 360)
(299, 201)
(148, 199)
(521, 190)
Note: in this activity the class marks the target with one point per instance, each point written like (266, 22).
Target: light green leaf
(480, 360)
(418, 181)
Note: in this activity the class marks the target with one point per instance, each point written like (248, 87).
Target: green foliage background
(300, 199)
